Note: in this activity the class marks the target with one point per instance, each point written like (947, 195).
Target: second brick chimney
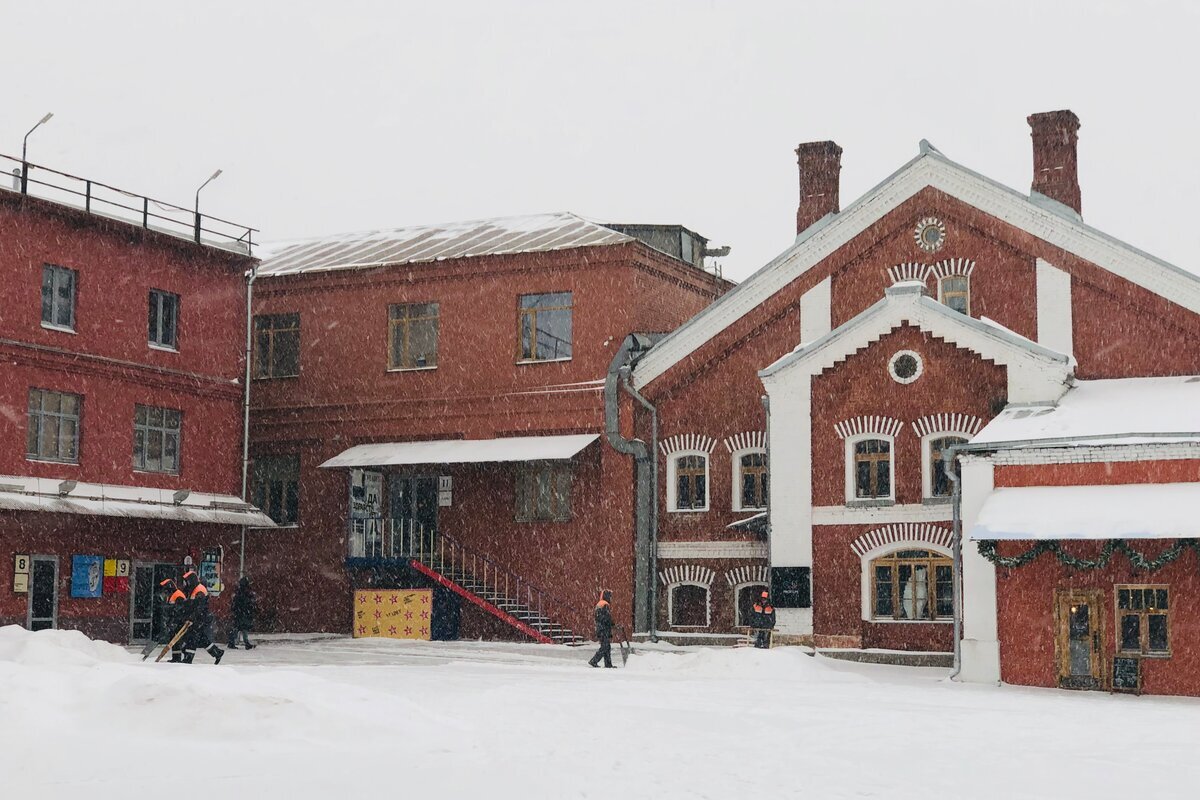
(820, 176)
(1055, 159)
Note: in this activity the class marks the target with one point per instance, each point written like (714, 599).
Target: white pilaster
(980, 644)
(816, 312)
(1054, 325)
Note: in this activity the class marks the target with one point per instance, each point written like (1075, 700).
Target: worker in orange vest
(199, 636)
(174, 617)
(604, 626)
(764, 620)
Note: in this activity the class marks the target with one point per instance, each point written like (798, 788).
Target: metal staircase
(475, 577)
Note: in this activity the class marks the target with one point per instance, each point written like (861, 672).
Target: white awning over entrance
(1127, 511)
(57, 496)
(463, 451)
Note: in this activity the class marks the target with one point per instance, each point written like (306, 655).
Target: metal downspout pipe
(645, 485)
(250, 278)
(949, 457)
(652, 588)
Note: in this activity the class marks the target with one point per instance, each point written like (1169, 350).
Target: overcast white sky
(340, 116)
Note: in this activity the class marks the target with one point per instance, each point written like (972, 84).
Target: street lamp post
(25, 147)
(211, 178)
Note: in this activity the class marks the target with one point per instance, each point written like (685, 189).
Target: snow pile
(56, 648)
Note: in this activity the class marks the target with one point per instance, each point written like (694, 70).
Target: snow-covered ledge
(980, 642)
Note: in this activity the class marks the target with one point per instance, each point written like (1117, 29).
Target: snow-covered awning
(1127, 511)
(58, 496)
(463, 451)
(754, 524)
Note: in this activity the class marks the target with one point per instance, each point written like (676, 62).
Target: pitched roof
(425, 243)
(1036, 216)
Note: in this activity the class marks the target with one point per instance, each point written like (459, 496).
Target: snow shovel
(625, 646)
(167, 647)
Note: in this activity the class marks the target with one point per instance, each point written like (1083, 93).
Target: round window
(930, 234)
(905, 366)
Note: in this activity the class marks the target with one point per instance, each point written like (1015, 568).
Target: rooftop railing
(103, 200)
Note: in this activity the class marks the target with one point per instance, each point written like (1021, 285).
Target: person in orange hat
(604, 628)
(174, 616)
(763, 620)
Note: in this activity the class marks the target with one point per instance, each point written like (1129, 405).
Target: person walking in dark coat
(604, 628)
(245, 607)
(763, 620)
(173, 617)
(196, 611)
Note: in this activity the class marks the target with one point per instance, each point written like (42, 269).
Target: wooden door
(1080, 621)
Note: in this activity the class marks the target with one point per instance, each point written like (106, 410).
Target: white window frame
(707, 605)
(867, 605)
(672, 483)
(737, 592)
(851, 497)
(736, 492)
(927, 461)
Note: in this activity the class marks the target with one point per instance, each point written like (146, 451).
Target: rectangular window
(754, 481)
(872, 469)
(545, 327)
(156, 433)
(53, 433)
(276, 487)
(413, 336)
(543, 493)
(1144, 620)
(58, 296)
(277, 346)
(691, 483)
(913, 585)
(956, 293)
(164, 316)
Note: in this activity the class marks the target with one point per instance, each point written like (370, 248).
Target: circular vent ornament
(906, 366)
(930, 234)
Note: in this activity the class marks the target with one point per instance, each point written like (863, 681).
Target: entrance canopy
(1128, 511)
(463, 451)
(143, 502)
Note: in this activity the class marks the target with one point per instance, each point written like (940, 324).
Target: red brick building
(122, 398)
(429, 411)
(891, 330)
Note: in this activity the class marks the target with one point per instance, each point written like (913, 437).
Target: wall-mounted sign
(87, 576)
(123, 568)
(210, 570)
(366, 494)
(115, 581)
(445, 483)
(21, 565)
(21, 582)
(445, 499)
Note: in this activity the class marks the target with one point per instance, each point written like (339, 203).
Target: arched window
(689, 605)
(689, 482)
(912, 585)
(955, 291)
(747, 594)
(938, 484)
(871, 469)
(750, 481)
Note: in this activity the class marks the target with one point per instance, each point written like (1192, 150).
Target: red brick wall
(1106, 472)
(721, 597)
(953, 381)
(1027, 627)
(346, 396)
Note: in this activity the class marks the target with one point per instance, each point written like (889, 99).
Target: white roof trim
(463, 451)
(1127, 511)
(19, 493)
(930, 169)
(907, 303)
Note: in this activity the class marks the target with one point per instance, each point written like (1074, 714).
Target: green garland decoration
(987, 549)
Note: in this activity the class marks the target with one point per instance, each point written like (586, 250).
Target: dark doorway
(415, 499)
(43, 593)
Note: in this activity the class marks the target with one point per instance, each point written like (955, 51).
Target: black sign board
(1127, 675)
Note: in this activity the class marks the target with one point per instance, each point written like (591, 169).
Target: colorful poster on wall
(210, 571)
(87, 576)
(393, 613)
(114, 581)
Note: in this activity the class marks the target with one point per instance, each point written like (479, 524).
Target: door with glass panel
(1080, 634)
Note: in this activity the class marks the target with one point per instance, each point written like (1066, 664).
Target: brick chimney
(1055, 159)
(820, 173)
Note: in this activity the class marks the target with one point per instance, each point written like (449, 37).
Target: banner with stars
(393, 613)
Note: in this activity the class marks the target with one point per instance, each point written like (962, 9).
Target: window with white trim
(955, 291)
(869, 468)
(937, 483)
(912, 585)
(688, 477)
(689, 605)
(58, 296)
(156, 438)
(163, 319)
(53, 432)
(750, 480)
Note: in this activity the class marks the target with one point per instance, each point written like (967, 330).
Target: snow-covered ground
(346, 719)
